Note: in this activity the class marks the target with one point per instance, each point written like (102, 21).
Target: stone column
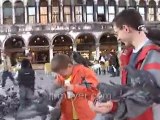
(26, 15)
(106, 10)
(84, 16)
(50, 52)
(119, 47)
(61, 10)
(13, 14)
(95, 11)
(26, 50)
(74, 47)
(156, 11)
(97, 50)
(147, 11)
(37, 11)
(117, 8)
(72, 11)
(1, 15)
(49, 11)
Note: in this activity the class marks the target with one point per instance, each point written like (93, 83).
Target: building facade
(45, 27)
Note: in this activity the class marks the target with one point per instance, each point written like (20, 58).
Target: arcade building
(46, 27)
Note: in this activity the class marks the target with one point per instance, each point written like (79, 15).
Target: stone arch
(39, 48)
(107, 42)
(62, 43)
(14, 47)
(39, 40)
(86, 45)
(13, 42)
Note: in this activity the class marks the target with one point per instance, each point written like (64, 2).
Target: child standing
(74, 105)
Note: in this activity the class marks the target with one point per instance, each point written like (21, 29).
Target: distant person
(26, 82)
(6, 68)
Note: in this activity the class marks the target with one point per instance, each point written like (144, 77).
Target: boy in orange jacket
(75, 100)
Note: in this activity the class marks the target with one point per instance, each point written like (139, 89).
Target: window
(19, 12)
(31, 11)
(67, 11)
(43, 12)
(0, 20)
(122, 5)
(111, 13)
(142, 9)
(152, 10)
(7, 12)
(142, 12)
(43, 15)
(31, 14)
(78, 10)
(151, 14)
(132, 4)
(78, 13)
(89, 13)
(121, 9)
(158, 17)
(55, 11)
(67, 14)
(55, 14)
(89, 10)
(101, 15)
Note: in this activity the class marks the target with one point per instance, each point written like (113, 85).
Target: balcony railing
(66, 27)
(63, 27)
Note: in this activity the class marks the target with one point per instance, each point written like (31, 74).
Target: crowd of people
(79, 82)
(107, 63)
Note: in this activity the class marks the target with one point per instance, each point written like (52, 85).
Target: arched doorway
(108, 42)
(86, 45)
(14, 47)
(62, 44)
(39, 49)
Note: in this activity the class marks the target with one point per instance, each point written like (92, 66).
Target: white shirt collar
(140, 46)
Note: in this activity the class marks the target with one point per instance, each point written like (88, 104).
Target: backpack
(26, 77)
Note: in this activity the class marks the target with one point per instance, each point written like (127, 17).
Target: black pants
(6, 74)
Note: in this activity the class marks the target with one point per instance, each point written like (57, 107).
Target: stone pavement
(45, 81)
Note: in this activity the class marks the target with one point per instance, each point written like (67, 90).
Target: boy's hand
(101, 107)
(69, 87)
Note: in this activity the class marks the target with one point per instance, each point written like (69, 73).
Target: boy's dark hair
(60, 61)
(26, 63)
(133, 18)
(129, 17)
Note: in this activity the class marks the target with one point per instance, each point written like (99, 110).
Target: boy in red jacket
(130, 29)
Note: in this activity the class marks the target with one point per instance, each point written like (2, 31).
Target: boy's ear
(70, 65)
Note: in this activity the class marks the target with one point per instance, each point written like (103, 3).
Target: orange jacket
(81, 103)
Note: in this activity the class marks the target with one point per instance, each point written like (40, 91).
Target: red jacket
(148, 114)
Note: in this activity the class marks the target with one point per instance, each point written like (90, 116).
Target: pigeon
(78, 58)
(42, 106)
(145, 81)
